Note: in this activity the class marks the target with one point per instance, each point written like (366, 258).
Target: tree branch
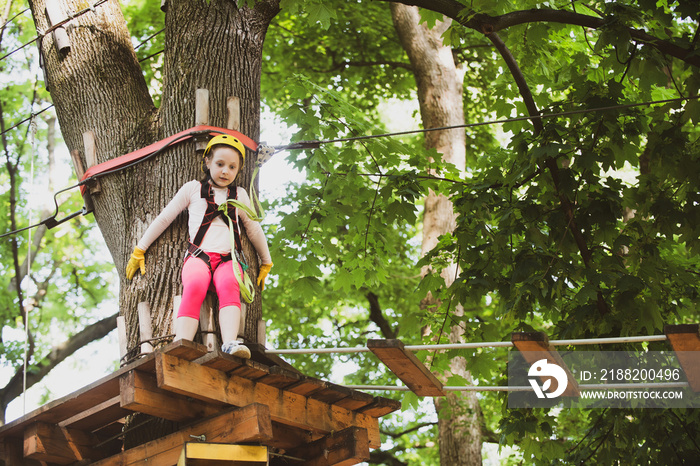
(376, 316)
(487, 24)
(57, 355)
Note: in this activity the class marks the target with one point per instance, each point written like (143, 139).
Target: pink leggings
(197, 279)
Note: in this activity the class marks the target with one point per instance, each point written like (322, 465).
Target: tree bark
(98, 86)
(439, 85)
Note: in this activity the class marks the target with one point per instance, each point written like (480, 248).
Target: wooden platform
(216, 398)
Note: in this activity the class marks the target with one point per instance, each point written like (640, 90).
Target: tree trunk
(439, 85)
(98, 86)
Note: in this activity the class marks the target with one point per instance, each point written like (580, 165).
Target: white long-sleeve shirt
(217, 238)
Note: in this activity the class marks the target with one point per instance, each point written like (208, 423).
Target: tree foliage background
(584, 224)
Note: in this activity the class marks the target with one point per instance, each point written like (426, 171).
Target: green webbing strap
(245, 284)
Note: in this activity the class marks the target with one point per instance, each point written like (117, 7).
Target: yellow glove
(264, 270)
(137, 261)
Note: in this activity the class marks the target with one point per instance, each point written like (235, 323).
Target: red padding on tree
(141, 153)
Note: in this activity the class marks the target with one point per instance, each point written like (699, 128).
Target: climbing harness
(225, 210)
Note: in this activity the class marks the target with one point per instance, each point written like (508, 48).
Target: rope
(32, 138)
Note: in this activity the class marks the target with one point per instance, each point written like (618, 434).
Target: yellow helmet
(226, 140)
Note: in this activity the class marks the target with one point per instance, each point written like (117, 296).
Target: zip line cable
(494, 122)
(313, 144)
(474, 345)
(14, 17)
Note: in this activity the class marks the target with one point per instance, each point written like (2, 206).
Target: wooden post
(55, 15)
(145, 331)
(206, 324)
(121, 333)
(201, 117)
(79, 172)
(233, 105)
(262, 332)
(91, 157)
(176, 308)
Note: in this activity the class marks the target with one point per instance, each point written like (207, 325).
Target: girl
(209, 255)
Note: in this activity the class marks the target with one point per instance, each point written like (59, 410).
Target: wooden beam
(79, 401)
(97, 416)
(344, 448)
(140, 393)
(11, 452)
(249, 424)
(535, 346)
(407, 367)
(208, 384)
(53, 444)
(196, 454)
(685, 341)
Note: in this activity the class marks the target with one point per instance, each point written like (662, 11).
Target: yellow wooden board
(196, 454)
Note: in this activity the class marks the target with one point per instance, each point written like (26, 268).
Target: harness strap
(213, 212)
(196, 252)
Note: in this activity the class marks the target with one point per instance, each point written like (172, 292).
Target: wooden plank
(331, 393)
(251, 370)
(220, 361)
(140, 393)
(97, 416)
(407, 367)
(380, 407)
(535, 346)
(356, 400)
(280, 377)
(79, 401)
(287, 437)
(347, 447)
(185, 349)
(200, 454)
(207, 384)
(685, 341)
(306, 386)
(53, 444)
(258, 354)
(248, 424)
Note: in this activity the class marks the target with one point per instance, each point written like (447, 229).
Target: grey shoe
(234, 348)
